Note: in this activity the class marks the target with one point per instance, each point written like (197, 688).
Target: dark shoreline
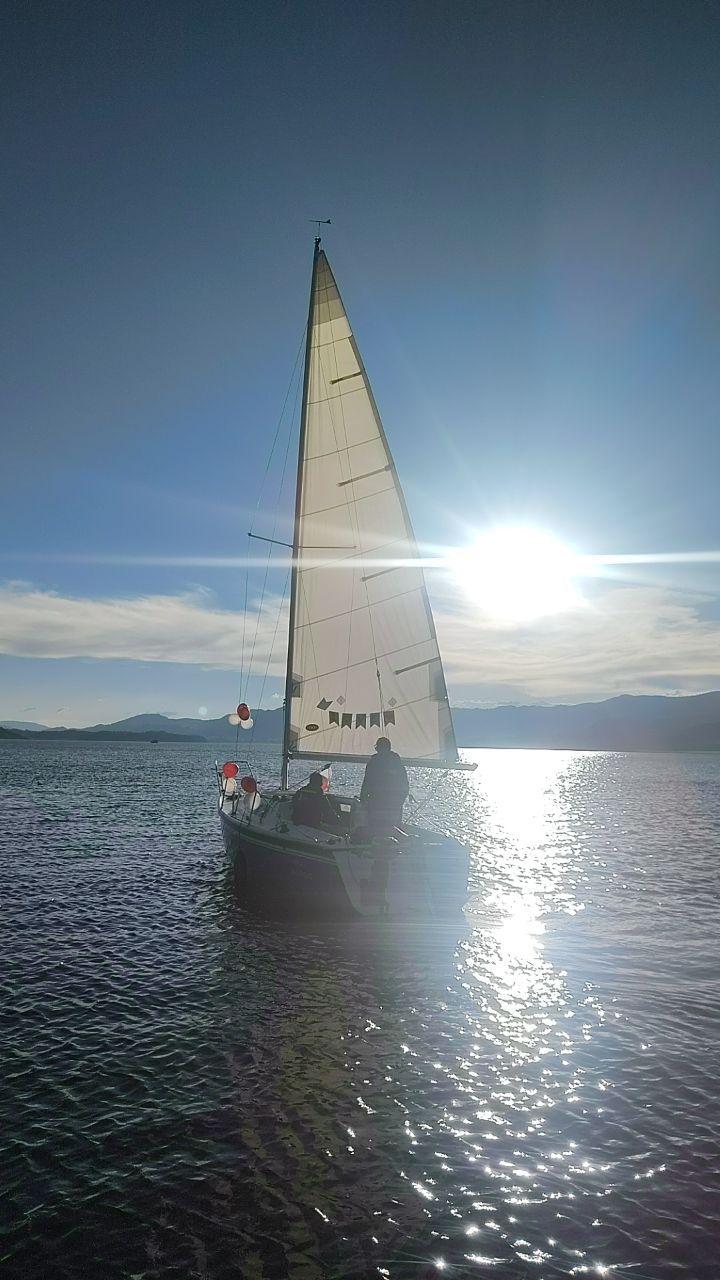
(71, 735)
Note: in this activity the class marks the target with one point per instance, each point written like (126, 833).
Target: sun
(517, 574)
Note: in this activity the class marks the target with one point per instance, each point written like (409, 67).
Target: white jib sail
(365, 658)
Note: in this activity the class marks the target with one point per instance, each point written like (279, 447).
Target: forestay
(363, 649)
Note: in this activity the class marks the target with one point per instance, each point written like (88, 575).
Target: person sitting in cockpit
(311, 807)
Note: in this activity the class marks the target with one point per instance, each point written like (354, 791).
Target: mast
(296, 529)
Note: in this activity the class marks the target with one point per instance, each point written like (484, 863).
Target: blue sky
(525, 201)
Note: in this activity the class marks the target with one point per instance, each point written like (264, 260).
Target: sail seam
(363, 498)
(325, 675)
(339, 395)
(331, 452)
(344, 613)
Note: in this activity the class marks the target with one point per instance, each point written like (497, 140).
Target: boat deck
(411, 873)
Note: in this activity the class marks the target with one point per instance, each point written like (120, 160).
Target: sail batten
(351, 630)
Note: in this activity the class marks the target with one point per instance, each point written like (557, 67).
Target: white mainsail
(364, 658)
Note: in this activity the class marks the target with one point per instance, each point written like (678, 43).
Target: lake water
(188, 1091)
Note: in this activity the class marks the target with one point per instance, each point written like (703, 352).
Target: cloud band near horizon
(631, 639)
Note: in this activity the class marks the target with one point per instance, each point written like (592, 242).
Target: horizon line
(495, 706)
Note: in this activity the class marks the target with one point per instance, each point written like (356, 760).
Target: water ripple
(190, 1091)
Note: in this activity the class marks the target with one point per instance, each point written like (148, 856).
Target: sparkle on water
(189, 1091)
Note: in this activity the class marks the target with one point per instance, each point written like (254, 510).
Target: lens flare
(519, 574)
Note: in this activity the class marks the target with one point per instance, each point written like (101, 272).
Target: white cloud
(187, 628)
(630, 639)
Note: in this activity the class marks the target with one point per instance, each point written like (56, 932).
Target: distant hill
(111, 735)
(103, 735)
(628, 723)
(267, 728)
(24, 724)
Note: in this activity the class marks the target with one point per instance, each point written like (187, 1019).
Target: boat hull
(425, 879)
(296, 882)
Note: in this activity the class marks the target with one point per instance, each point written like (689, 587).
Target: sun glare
(519, 574)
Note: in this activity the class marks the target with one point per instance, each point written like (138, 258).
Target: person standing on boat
(385, 787)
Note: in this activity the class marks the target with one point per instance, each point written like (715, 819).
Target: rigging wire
(258, 614)
(261, 490)
(244, 676)
(419, 805)
(271, 651)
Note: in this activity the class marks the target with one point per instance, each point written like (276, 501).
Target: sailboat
(363, 661)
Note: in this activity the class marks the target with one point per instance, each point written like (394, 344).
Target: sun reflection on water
(528, 860)
(520, 1072)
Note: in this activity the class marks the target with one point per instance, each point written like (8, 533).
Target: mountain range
(107, 734)
(627, 723)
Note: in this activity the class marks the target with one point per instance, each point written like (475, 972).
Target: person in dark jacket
(385, 787)
(311, 807)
